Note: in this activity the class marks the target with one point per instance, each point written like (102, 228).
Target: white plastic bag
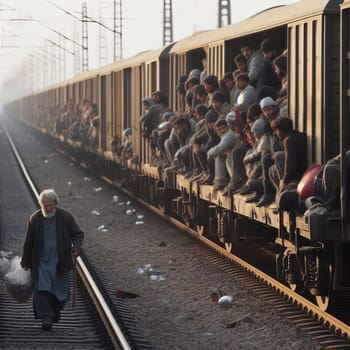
(15, 264)
(5, 266)
(19, 281)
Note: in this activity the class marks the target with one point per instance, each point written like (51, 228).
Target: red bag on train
(306, 184)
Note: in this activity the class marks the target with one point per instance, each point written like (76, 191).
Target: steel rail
(117, 337)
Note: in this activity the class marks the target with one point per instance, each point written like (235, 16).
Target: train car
(123, 86)
(309, 30)
(74, 90)
(311, 256)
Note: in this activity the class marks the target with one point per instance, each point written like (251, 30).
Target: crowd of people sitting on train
(233, 133)
(78, 122)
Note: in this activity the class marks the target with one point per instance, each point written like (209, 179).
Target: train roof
(346, 4)
(81, 77)
(269, 18)
(117, 65)
(142, 57)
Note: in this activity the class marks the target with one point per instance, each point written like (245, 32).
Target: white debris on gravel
(95, 212)
(102, 228)
(115, 199)
(226, 301)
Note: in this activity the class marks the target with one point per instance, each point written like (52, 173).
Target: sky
(29, 32)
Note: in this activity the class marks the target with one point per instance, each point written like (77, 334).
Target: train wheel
(228, 247)
(325, 301)
(292, 271)
(295, 287)
(320, 271)
(227, 230)
(162, 207)
(187, 219)
(200, 229)
(162, 200)
(189, 215)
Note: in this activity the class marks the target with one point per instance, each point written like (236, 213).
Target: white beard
(48, 215)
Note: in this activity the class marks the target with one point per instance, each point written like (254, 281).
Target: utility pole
(117, 30)
(53, 64)
(167, 22)
(224, 14)
(45, 66)
(62, 59)
(102, 57)
(76, 50)
(85, 41)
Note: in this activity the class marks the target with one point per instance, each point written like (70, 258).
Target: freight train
(311, 255)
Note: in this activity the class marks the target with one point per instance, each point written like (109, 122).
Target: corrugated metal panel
(136, 102)
(313, 83)
(108, 131)
(118, 102)
(302, 98)
(178, 68)
(216, 60)
(332, 90)
(102, 112)
(95, 90)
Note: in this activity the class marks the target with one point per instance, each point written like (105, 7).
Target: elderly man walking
(52, 239)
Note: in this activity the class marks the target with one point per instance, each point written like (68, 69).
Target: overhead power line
(43, 24)
(62, 9)
(92, 20)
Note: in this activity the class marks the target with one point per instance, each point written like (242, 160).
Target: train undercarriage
(316, 269)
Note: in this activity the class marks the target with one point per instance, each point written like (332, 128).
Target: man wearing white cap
(234, 160)
(270, 112)
(269, 108)
(219, 152)
(252, 161)
(247, 93)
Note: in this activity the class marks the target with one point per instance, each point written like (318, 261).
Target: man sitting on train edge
(219, 153)
(269, 114)
(201, 144)
(290, 164)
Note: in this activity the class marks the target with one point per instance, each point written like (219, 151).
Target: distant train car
(123, 86)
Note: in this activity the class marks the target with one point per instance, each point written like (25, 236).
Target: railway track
(331, 331)
(97, 321)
